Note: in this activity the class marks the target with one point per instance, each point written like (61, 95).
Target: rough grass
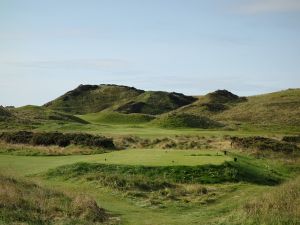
(279, 206)
(117, 118)
(23, 202)
(158, 185)
(176, 142)
(242, 170)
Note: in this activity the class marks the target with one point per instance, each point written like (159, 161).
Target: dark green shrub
(19, 137)
(295, 139)
(56, 138)
(91, 140)
(262, 143)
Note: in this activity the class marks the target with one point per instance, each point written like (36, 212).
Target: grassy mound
(242, 170)
(156, 102)
(41, 114)
(223, 96)
(22, 202)
(116, 118)
(213, 103)
(95, 98)
(184, 120)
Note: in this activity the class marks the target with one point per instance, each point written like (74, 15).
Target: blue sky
(192, 46)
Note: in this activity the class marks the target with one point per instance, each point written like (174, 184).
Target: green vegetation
(176, 142)
(294, 139)
(262, 143)
(23, 202)
(29, 150)
(268, 110)
(56, 138)
(218, 159)
(5, 114)
(279, 108)
(226, 172)
(95, 98)
(156, 102)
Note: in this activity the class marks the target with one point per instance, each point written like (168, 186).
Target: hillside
(278, 108)
(95, 98)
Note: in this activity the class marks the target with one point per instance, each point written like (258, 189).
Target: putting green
(155, 157)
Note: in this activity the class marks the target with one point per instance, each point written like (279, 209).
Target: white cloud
(269, 6)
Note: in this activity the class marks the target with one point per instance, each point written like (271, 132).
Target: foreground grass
(23, 202)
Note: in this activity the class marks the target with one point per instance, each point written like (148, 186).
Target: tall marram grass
(280, 206)
(23, 202)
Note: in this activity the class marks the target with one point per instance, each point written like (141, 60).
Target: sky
(194, 47)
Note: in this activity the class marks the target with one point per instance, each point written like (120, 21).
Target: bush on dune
(262, 143)
(56, 138)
